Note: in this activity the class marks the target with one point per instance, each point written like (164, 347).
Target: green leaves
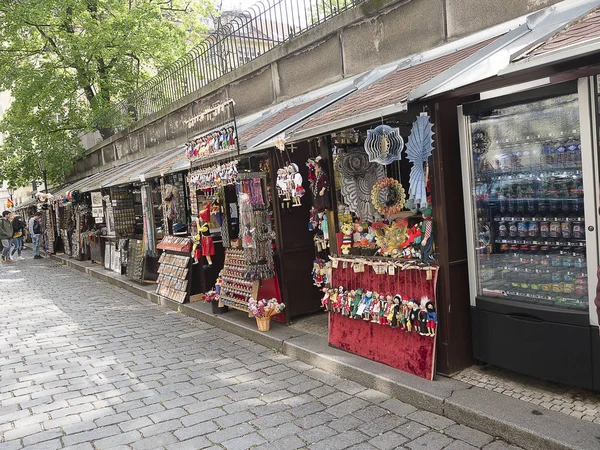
(64, 61)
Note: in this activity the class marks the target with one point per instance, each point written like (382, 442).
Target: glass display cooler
(530, 205)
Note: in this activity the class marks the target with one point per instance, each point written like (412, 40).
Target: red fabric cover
(409, 352)
(270, 289)
(204, 215)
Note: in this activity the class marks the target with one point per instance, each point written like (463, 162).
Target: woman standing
(18, 227)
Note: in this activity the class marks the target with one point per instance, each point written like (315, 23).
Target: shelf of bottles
(528, 193)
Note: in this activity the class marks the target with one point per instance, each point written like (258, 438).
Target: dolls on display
(347, 230)
(283, 188)
(395, 311)
(413, 317)
(320, 187)
(423, 317)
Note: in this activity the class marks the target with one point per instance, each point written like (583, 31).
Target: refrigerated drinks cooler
(530, 214)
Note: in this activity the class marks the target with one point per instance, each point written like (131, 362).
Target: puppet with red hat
(203, 242)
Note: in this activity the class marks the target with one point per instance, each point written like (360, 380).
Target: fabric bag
(18, 234)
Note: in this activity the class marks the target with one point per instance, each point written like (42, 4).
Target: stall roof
(385, 95)
(25, 204)
(494, 59)
(173, 158)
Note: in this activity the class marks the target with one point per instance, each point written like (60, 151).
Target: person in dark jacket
(18, 230)
(35, 230)
(6, 234)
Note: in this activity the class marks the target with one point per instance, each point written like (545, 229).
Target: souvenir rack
(235, 289)
(135, 260)
(174, 275)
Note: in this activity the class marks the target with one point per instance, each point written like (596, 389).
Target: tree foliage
(65, 61)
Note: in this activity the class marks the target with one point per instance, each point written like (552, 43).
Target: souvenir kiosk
(370, 215)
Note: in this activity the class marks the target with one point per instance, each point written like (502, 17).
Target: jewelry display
(235, 289)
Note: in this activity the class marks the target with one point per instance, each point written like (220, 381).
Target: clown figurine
(295, 184)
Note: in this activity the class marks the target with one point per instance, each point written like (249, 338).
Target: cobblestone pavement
(576, 402)
(86, 365)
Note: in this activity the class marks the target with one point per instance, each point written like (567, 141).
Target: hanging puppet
(203, 242)
(427, 236)
(320, 187)
(295, 184)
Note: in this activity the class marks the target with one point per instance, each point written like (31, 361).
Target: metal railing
(247, 36)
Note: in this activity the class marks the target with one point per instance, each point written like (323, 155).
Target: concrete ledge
(522, 423)
(516, 421)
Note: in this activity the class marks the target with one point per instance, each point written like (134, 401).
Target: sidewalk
(524, 424)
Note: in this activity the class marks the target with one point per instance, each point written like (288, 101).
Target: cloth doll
(320, 187)
(325, 299)
(208, 247)
(427, 236)
(404, 310)
(377, 307)
(356, 302)
(196, 247)
(384, 310)
(348, 306)
(431, 318)
(365, 304)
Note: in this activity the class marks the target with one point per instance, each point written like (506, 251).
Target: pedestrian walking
(18, 229)
(35, 230)
(6, 234)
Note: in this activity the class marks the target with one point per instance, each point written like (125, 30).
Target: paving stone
(196, 443)
(230, 433)
(286, 443)
(381, 425)
(279, 431)
(135, 424)
(347, 407)
(397, 407)
(92, 435)
(339, 441)
(29, 441)
(200, 429)
(388, 441)
(160, 428)
(345, 423)
(499, 445)
(412, 430)
(430, 441)
(157, 441)
(469, 435)
(119, 439)
(460, 445)
(431, 420)
(317, 434)
(244, 442)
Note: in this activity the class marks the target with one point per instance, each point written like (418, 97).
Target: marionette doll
(325, 299)
(311, 177)
(217, 211)
(427, 236)
(413, 317)
(320, 187)
(232, 136)
(208, 248)
(356, 302)
(404, 310)
(363, 309)
(431, 318)
(394, 312)
(384, 309)
(297, 189)
(376, 309)
(348, 305)
(196, 247)
(423, 317)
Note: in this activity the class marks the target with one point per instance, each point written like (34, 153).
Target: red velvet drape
(409, 352)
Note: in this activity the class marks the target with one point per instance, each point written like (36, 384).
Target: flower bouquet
(262, 310)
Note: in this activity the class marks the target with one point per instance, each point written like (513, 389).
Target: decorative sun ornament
(384, 144)
(388, 196)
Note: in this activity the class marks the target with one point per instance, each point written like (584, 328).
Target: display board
(123, 211)
(135, 259)
(173, 276)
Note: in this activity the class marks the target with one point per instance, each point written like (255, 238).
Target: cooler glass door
(525, 203)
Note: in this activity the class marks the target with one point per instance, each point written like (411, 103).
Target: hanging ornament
(418, 150)
(384, 144)
(279, 142)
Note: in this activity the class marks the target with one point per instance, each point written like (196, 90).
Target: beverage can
(502, 230)
(566, 230)
(522, 229)
(578, 230)
(512, 230)
(554, 229)
(534, 229)
(544, 229)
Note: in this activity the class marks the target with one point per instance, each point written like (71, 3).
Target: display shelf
(235, 290)
(557, 242)
(500, 174)
(538, 219)
(175, 244)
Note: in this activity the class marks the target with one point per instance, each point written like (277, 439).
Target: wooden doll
(320, 187)
(325, 299)
(404, 314)
(427, 236)
(431, 318)
(413, 317)
(297, 189)
(423, 317)
(356, 302)
(395, 311)
(208, 247)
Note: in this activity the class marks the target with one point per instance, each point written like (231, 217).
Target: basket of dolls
(263, 310)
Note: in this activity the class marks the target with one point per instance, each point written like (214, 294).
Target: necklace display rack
(235, 289)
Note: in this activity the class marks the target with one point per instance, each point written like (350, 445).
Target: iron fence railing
(248, 35)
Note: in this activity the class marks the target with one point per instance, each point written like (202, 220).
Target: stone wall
(375, 33)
